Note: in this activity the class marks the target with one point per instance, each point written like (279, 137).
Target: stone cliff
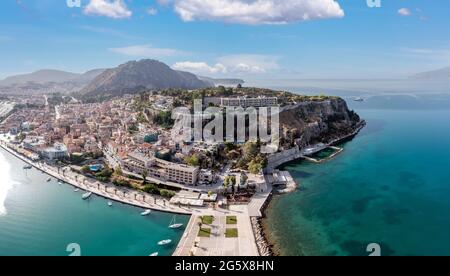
(319, 121)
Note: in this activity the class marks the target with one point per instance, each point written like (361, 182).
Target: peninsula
(126, 147)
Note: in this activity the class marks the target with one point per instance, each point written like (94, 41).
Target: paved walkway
(217, 244)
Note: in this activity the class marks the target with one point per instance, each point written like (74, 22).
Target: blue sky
(229, 38)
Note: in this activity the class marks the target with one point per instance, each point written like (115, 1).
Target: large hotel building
(249, 102)
(161, 169)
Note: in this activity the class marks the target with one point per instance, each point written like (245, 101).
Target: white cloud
(404, 12)
(232, 64)
(250, 63)
(146, 51)
(152, 11)
(256, 12)
(200, 67)
(110, 8)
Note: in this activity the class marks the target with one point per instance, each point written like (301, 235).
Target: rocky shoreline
(264, 247)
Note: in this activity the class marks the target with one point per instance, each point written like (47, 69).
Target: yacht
(174, 225)
(164, 242)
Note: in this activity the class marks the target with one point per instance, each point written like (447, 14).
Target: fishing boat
(174, 225)
(86, 195)
(146, 213)
(164, 242)
(154, 254)
(110, 203)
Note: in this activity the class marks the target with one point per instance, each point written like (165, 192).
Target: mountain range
(129, 77)
(440, 74)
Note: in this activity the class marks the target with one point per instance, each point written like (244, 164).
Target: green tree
(167, 193)
(118, 171)
(250, 150)
(254, 167)
(85, 169)
(144, 177)
(192, 160)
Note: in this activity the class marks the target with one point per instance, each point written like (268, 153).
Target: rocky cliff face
(314, 122)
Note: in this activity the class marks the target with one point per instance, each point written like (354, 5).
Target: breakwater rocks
(264, 247)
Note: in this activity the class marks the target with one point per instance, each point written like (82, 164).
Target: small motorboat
(60, 182)
(76, 190)
(110, 203)
(165, 242)
(154, 254)
(146, 213)
(28, 167)
(86, 195)
(49, 179)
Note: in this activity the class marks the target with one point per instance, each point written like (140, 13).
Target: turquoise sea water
(390, 186)
(42, 218)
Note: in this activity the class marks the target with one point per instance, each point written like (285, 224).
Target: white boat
(60, 182)
(164, 242)
(76, 190)
(146, 213)
(86, 195)
(154, 254)
(110, 203)
(174, 225)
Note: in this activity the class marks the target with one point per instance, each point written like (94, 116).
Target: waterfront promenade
(190, 244)
(123, 195)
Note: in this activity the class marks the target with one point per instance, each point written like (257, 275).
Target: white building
(58, 151)
(161, 169)
(249, 102)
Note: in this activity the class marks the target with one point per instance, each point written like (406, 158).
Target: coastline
(102, 193)
(263, 237)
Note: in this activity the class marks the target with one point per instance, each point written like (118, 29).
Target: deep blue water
(43, 218)
(390, 186)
